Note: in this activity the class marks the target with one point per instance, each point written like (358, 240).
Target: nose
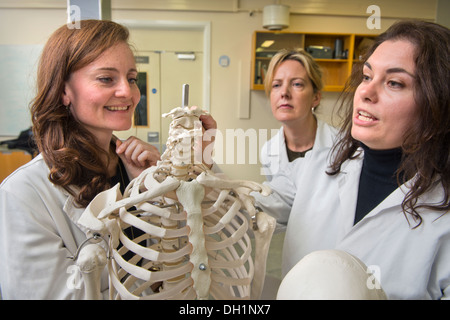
(369, 91)
(285, 93)
(123, 89)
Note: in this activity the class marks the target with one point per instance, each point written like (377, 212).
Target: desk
(10, 160)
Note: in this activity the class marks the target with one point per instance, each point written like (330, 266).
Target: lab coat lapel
(393, 200)
(368, 224)
(276, 144)
(348, 181)
(351, 183)
(74, 213)
(276, 153)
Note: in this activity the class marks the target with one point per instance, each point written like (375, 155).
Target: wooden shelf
(335, 71)
(332, 60)
(258, 87)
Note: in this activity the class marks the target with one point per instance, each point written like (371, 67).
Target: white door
(146, 122)
(176, 71)
(169, 58)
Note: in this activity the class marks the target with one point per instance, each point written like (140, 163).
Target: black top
(292, 155)
(131, 232)
(120, 177)
(378, 178)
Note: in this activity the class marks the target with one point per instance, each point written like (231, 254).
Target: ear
(317, 98)
(64, 96)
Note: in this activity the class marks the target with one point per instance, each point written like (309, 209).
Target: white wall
(232, 25)
(231, 35)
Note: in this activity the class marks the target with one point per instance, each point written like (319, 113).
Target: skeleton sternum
(190, 195)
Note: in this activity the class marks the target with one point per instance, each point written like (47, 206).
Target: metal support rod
(185, 95)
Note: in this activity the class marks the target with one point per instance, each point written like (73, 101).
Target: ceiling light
(276, 17)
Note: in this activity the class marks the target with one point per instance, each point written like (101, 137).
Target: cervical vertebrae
(196, 228)
(183, 157)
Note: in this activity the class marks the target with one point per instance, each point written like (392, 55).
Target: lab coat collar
(348, 181)
(274, 150)
(73, 211)
(323, 140)
(348, 193)
(326, 137)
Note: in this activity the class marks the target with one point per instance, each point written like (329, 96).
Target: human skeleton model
(196, 241)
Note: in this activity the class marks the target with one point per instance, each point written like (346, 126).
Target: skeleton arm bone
(263, 235)
(91, 262)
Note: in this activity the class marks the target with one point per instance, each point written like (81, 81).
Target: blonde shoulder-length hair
(304, 58)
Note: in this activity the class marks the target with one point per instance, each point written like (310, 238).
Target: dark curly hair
(426, 144)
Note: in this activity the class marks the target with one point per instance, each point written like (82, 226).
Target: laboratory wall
(232, 23)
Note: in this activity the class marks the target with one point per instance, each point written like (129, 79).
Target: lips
(283, 106)
(117, 108)
(365, 116)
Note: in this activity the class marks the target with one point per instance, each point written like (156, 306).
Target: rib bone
(196, 227)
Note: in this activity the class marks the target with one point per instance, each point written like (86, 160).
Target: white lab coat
(281, 174)
(38, 233)
(409, 263)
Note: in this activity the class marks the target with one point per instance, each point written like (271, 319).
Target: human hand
(209, 133)
(208, 121)
(137, 155)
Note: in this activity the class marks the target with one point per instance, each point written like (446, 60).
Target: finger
(147, 159)
(118, 144)
(125, 148)
(135, 155)
(121, 146)
(141, 154)
(208, 121)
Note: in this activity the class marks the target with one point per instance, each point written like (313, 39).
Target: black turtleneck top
(378, 178)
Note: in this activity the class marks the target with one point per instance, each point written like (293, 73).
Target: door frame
(204, 26)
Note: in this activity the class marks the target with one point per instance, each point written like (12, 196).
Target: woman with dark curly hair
(86, 89)
(386, 195)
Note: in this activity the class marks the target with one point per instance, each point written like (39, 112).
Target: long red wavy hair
(76, 162)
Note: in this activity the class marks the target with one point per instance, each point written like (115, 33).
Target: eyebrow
(115, 70)
(392, 70)
(291, 79)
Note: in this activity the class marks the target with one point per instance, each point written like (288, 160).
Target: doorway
(168, 55)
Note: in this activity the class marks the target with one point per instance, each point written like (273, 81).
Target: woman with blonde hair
(86, 89)
(293, 84)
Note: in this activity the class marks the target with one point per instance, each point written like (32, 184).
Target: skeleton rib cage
(196, 229)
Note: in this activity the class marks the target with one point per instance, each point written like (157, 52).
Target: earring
(68, 107)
